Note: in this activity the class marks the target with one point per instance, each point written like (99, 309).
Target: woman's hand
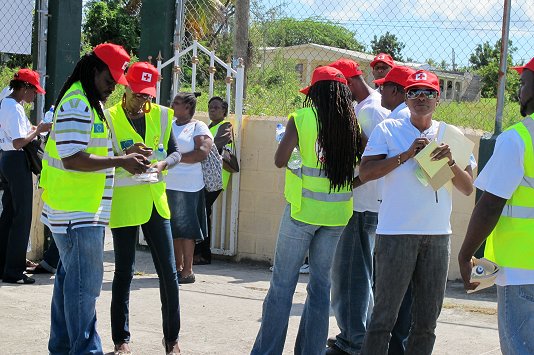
(417, 145)
(159, 166)
(43, 127)
(139, 148)
(443, 151)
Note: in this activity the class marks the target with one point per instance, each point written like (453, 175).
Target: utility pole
(241, 43)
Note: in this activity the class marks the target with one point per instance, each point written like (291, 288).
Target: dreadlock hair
(84, 72)
(223, 103)
(339, 133)
(189, 98)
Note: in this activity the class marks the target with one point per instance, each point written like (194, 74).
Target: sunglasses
(145, 97)
(428, 93)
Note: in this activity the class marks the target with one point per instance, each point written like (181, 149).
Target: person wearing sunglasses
(503, 215)
(139, 126)
(413, 232)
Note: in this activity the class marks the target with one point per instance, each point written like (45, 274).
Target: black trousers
(16, 217)
(204, 248)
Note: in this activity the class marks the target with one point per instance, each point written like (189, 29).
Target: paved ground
(220, 312)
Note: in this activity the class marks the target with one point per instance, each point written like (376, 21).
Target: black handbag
(229, 157)
(34, 155)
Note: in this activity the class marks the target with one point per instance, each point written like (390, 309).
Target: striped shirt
(72, 128)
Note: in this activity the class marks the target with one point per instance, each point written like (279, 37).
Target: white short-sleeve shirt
(501, 176)
(184, 176)
(14, 123)
(369, 113)
(408, 207)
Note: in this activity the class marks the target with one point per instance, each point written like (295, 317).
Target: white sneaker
(305, 269)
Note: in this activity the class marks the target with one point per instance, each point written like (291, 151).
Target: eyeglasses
(428, 93)
(145, 97)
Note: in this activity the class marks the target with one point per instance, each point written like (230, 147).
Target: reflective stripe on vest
(307, 189)
(133, 200)
(70, 190)
(511, 243)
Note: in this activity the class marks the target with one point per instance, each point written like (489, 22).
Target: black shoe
(25, 280)
(331, 342)
(334, 350)
(187, 279)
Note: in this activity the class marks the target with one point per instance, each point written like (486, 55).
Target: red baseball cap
(529, 66)
(31, 77)
(116, 58)
(347, 67)
(423, 78)
(398, 75)
(324, 74)
(384, 58)
(142, 78)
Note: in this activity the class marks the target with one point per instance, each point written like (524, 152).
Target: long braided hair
(84, 73)
(339, 134)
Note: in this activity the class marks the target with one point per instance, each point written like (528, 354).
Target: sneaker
(305, 269)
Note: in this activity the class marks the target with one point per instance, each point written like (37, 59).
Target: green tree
(485, 53)
(290, 32)
(114, 21)
(388, 43)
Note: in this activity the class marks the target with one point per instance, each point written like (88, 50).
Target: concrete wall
(262, 201)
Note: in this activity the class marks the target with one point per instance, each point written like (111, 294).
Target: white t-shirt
(369, 113)
(501, 176)
(400, 112)
(183, 176)
(407, 206)
(13, 123)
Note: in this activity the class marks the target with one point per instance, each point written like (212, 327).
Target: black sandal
(25, 280)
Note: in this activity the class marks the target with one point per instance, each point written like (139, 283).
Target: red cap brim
(118, 75)
(40, 90)
(519, 70)
(379, 81)
(305, 90)
(142, 89)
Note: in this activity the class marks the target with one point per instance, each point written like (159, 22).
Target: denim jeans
(16, 216)
(422, 260)
(76, 289)
(294, 240)
(516, 321)
(157, 232)
(352, 278)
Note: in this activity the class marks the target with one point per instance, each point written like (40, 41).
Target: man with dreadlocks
(319, 196)
(77, 178)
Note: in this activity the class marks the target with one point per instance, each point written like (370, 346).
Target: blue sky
(428, 28)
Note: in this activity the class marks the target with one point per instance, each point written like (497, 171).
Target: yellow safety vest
(132, 200)
(225, 174)
(70, 190)
(307, 189)
(511, 244)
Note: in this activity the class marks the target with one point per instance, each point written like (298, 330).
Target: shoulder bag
(34, 155)
(229, 157)
(212, 170)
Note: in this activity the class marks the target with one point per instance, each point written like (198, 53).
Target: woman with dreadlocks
(319, 196)
(77, 178)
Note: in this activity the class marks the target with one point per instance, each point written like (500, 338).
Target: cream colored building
(455, 85)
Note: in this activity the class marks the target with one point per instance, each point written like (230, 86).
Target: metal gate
(223, 224)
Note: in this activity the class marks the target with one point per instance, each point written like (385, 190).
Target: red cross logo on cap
(146, 77)
(420, 76)
(125, 65)
(381, 56)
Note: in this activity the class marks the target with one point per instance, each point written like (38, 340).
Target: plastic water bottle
(160, 154)
(49, 115)
(295, 160)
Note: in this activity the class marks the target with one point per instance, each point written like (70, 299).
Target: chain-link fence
(460, 40)
(16, 25)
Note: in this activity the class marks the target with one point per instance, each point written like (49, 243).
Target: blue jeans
(516, 321)
(76, 289)
(352, 278)
(157, 232)
(423, 261)
(294, 240)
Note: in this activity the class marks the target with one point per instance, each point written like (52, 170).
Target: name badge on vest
(126, 144)
(98, 128)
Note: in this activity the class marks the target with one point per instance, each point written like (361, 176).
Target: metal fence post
(503, 64)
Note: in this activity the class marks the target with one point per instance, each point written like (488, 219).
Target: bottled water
(295, 160)
(160, 154)
(49, 115)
